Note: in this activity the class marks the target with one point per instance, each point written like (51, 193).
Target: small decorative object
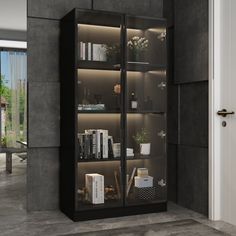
(83, 194)
(162, 183)
(137, 47)
(162, 36)
(142, 138)
(91, 107)
(110, 193)
(116, 150)
(143, 182)
(112, 52)
(117, 89)
(133, 102)
(142, 172)
(129, 152)
(145, 193)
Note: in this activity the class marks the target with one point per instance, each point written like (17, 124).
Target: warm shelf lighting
(161, 72)
(157, 30)
(99, 28)
(93, 73)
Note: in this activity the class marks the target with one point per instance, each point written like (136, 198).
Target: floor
(15, 221)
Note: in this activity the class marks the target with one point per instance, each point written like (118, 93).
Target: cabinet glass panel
(99, 116)
(146, 111)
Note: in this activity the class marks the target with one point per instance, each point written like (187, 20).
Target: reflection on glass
(146, 107)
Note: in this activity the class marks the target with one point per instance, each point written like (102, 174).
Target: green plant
(4, 141)
(138, 44)
(142, 136)
(112, 51)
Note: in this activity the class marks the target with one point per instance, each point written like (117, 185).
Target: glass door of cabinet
(146, 111)
(99, 178)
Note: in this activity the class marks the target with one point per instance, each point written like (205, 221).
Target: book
(110, 147)
(94, 184)
(104, 144)
(130, 181)
(117, 184)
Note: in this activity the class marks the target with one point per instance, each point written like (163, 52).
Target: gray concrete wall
(44, 97)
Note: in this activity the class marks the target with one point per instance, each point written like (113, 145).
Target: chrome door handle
(224, 113)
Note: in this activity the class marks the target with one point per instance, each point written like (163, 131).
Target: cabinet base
(118, 212)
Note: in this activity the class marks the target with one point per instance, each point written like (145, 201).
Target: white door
(223, 96)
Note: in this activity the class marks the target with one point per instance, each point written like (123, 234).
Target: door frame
(214, 105)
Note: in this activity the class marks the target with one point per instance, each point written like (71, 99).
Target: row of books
(95, 144)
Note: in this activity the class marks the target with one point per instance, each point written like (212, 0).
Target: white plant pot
(145, 148)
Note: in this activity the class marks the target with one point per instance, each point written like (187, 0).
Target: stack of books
(95, 144)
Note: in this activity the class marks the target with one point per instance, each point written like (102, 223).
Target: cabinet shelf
(118, 112)
(135, 158)
(97, 65)
(131, 66)
(144, 66)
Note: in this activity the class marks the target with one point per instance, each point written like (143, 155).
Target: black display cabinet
(113, 115)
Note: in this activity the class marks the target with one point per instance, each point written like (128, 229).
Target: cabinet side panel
(67, 151)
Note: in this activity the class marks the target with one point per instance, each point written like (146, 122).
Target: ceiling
(13, 15)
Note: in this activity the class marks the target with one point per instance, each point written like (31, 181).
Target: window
(13, 92)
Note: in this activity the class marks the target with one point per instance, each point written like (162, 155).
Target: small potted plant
(137, 47)
(143, 140)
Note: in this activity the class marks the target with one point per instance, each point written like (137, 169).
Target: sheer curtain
(13, 98)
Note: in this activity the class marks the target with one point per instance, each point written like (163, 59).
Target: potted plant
(143, 140)
(137, 47)
(112, 52)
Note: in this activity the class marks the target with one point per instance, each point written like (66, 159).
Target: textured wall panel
(44, 115)
(42, 179)
(139, 7)
(54, 9)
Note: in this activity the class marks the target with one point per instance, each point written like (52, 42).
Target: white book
(84, 52)
(95, 186)
(105, 143)
(89, 51)
(98, 139)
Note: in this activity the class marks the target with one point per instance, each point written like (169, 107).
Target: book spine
(83, 52)
(94, 144)
(80, 140)
(98, 153)
(110, 148)
(89, 51)
(91, 145)
(101, 144)
(86, 51)
(105, 144)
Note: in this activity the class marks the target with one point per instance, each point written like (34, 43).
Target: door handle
(224, 113)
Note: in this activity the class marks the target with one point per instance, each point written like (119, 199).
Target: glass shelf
(98, 65)
(117, 112)
(135, 158)
(131, 66)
